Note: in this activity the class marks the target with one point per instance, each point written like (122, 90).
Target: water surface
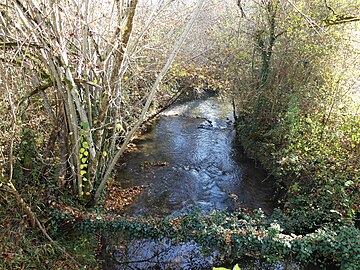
(191, 159)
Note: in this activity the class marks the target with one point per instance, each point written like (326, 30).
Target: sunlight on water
(190, 159)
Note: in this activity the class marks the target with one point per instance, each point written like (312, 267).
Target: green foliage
(302, 125)
(237, 235)
(316, 163)
(322, 161)
(304, 128)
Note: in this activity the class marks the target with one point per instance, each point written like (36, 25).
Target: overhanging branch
(341, 20)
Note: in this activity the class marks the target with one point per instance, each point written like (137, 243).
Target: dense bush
(319, 163)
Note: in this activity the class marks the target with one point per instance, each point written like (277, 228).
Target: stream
(190, 158)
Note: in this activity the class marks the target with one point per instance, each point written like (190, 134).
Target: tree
(81, 57)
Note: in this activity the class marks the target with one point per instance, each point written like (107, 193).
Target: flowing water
(190, 158)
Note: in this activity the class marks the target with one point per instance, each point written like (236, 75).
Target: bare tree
(80, 51)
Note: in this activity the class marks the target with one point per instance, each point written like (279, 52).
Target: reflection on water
(200, 165)
(189, 159)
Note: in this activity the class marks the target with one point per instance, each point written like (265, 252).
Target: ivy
(84, 158)
(235, 235)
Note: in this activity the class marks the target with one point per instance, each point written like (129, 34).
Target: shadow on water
(189, 159)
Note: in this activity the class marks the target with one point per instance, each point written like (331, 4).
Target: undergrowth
(314, 159)
(24, 247)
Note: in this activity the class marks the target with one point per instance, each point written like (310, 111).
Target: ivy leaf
(86, 153)
(85, 145)
(236, 267)
(83, 160)
(84, 125)
(82, 172)
(82, 166)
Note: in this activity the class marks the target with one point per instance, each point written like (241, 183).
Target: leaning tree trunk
(149, 100)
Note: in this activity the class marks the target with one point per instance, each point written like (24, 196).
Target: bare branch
(149, 100)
